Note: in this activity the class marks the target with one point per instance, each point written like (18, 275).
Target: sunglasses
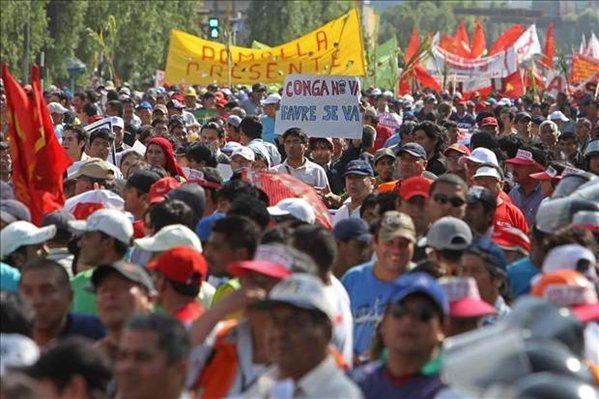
(455, 202)
(422, 313)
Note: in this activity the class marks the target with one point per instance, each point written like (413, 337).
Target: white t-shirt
(345, 213)
(343, 326)
(310, 173)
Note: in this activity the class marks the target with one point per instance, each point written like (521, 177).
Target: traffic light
(213, 28)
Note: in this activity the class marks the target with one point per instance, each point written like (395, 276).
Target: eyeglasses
(455, 202)
(422, 313)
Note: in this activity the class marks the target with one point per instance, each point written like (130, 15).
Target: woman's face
(155, 156)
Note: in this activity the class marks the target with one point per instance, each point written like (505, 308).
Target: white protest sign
(322, 106)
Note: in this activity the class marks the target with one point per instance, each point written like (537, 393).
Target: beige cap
(96, 169)
(396, 224)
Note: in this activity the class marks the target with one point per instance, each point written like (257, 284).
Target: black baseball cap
(414, 149)
(352, 229)
(258, 87)
(143, 180)
(483, 195)
(131, 272)
(359, 167)
(523, 115)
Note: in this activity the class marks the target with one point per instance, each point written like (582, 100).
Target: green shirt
(225, 289)
(83, 300)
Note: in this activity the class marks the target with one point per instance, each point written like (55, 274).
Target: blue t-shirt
(9, 278)
(268, 128)
(369, 297)
(464, 122)
(520, 273)
(83, 325)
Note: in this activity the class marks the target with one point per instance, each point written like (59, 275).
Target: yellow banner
(332, 49)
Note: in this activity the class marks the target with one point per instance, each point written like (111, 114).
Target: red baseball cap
(489, 121)
(413, 186)
(547, 174)
(183, 265)
(462, 149)
(523, 158)
(94, 118)
(510, 238)
(270, 260)
(162, 187)
(464, 298)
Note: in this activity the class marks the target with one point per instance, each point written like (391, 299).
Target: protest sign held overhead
(332, 49)
(323, 106)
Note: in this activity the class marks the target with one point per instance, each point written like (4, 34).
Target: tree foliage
(276, 22)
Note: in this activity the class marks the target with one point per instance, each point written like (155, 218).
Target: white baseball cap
(168, 237)
(17, 351)
(117, 121)
(300, 290)
(109, 221)
(488, 171)
(297, 207)
(271, 99)
(230, 147)
(558, 116)
(481, 155)
(21, 233)
(567, 257)
(244, 152)
(57, 108)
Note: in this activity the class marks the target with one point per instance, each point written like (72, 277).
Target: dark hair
(60, 273)
(176, 121)
(171, 211)
(406, 128)
(433, 132)
(317, 242)
(386, 201)
(234, 188)
(144, 134)
(16, 315)
(117, 105)
(368, 133)
(120, 247)
(296, 131)
(510, 144)
(75, 356)
(101, 133)
(251, 127)
(90, 110)
(369, 201)
(448, 124)
(201, 152)
(451, 179)
(239, 232)
(78, 130)
(280, 234)
(430, 267)
(220, 132)
(252, 207)
(157, 121)
(184, 289)
(173, 339)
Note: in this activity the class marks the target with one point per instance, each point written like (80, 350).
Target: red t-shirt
(188, 313)
(139, 229)
(382, 134)
(510, 214)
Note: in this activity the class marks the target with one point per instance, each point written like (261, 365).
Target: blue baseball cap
(358, 167)
(144, 105)
(491, 253)
(204, 226)
(352, 229)
(420, 283)
(414, 149)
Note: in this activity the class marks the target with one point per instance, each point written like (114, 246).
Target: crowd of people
(461, 237)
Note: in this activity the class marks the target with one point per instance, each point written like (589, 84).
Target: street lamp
(75, 68)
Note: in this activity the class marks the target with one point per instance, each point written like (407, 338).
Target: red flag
(549, 47)
(512, 86)
(413, 45)
(447, 43)
(39, 161)
(426, 79)
(462, 41)
(479, 44)
(507, 39)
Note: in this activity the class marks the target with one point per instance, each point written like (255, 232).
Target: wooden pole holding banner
(228, 44)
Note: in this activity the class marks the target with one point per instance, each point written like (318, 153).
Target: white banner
(322, 106)
(527, 44)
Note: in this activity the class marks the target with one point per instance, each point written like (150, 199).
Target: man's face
(93, 247)
(111, 111)
(321, 153)
(453, 134)
(409, 165)
(161, 129)
(219, 254)
(294, 336)
(354, 252)
(522, 173)
(190, 102)
(57, 118)
(474, 266)
(142, 369)
(568, 147)
(49, 299)
(118, 299)
(494, 130)
(71, 145)
(77, 103)
(258, 95)
(426, 142)
(582, 132)
(99, 148)
(179, 133)
(128, 109)
(415, 207)
(210, 137)
(447, 200)
(238, 162)
(412, 326)
(134, 199)
(548, 136)
(145, 115)
(523, 127)
(394, 255)
(270, 110)
(491, 183)
(452, 157)
(294, 147)
(384, 168)
(594, 164)
(358, 187)
(477, 218)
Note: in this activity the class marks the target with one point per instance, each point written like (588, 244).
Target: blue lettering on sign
(298, 113)
(330, 113)
(351, 113)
